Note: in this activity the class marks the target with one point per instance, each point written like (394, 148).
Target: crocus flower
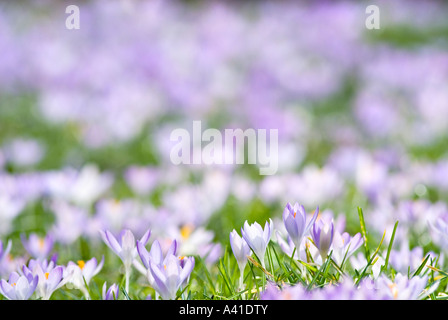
(294, 219)
(257, 238)
(24, 152)
(168, 278)
(37, 247)
(111, 293)
(18, 287)
(71, 222)
(345, 290)
(344, 246)
(240, 250)
(77, 273)
(322, 234)
(403, 288)
(406, 258)
(125, 248)
(50, 278)
(155, 255)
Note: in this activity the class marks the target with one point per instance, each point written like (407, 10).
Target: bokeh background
(86, 117)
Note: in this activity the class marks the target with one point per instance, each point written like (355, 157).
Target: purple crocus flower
(168, 278)
(294, 219)
(111, 293)
(403, 288)
(125, 248)
(38, 247)
(257, 238)
(322, 234)
(155, 255)
(240, 250)
(142, 180)
(50, 277)
(18, 287)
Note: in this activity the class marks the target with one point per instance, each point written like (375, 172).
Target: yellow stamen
(186, 231)
(81, 264)
(181, 257)
(41, 243)
(14, 284)
(46, 275)
(164, 266)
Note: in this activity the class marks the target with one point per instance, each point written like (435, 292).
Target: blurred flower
(10, 208)
(257, 238)
(344, 290)
(24, 152)
(359, 262)
(439, 232)
(315, 185)
(142, 180)
(70, 224)
(38, 247)
(4, 251)
(81, 187)
(18, 287)
(403, 288)
(406, 260)
(116, 215)
(5, 258)
(210, 253)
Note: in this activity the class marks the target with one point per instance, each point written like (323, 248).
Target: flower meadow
(93, 208)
